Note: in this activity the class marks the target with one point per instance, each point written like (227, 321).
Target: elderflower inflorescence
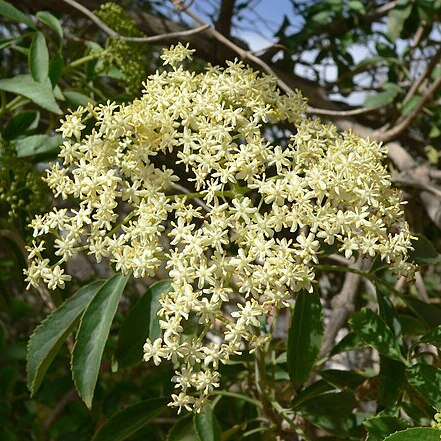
(249, 235)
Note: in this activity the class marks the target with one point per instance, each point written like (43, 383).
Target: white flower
(223, 242)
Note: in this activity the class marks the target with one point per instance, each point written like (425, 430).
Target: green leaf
(305, 337)
(55, 69)
(411, 104)
(37, 145)
(51, 333)
(136, 327)
(433, 337)
(317, 388)
(380, 426)
(343, 379)
(9, 11)
(426, 380)
(424, 253)
(391, 381)
(411, 326)
(321, 18)
(20, 124)
(39, 93)
(50, 20)
(127, 421)
(415, 434)
(357, 6)
(57, 93)
(330, 411)
(39, 58)
(371, 329)
(391, 90)
(76, 99)
(428, 313)
(183, 430)
(435, 131)
(388, 313)
(207, 426)
(92, 336)
(396, 18)
(349, 342)
(160, 288)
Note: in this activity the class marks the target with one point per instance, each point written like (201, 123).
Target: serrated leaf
(305, 337)
(371, 329)
(37, 145)
(415, 434)
(50, 20)
(380, 426)
(424, 253)
(39, 58)
(9, 11)
(207, 426)
(426, 380)
(92, 336)
(127, 421)
(51, 333)
(39, 93)
(136, 327)
(20, 124)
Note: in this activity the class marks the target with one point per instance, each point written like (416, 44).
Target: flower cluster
(251, 229)
(130, 58)
(20, 185)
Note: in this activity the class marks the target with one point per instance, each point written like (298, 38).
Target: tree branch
(425, 74)
(342, 307)
(152, 39)
(406, 121)
(351, 112)
(244, 54)
(224, 21)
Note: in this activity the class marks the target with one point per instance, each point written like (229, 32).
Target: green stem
(264, 392)
(85, 59)
(238, 396)
(3, 102)
(283, 413)
(123, 222)
(15, 103)
(343, 269)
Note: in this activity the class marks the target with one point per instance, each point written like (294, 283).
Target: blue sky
(258, 26)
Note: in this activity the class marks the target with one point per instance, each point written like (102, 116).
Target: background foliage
(360, 358)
